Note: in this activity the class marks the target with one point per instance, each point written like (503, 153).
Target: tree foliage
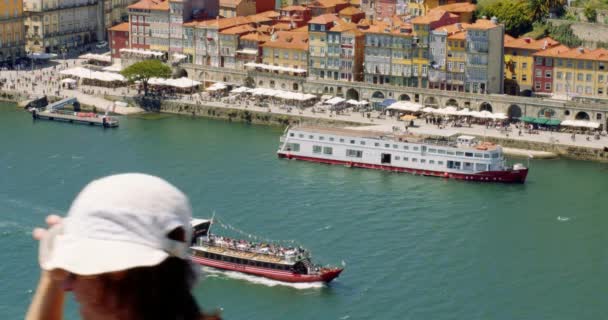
(590, 13)
(144, 70)
(563, 33)
(515, 15)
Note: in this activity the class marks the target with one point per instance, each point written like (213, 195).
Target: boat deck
(243, 254)
(70, 117)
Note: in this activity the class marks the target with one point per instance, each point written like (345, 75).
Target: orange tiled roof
(161, 6)
(120, 27)
(384, 27)
(282, 26)
(324, 19)
(454, 28)
(230, 3)
(144, 4)
(256, 36)
(224, 23)
(508, 38)
(301, 29)
(238, 29)
(461, 7)
(483, 24)
(531, 44)
(294, 8)
(289, 40)
(343, 26)
(326, 3)
(432, 16)
(350, 11)
(562, 51)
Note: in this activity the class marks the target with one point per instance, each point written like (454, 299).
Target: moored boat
(465, 158)
(287, 264)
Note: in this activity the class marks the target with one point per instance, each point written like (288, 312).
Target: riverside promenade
(46, 81)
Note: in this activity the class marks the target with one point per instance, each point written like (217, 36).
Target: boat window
(301, 135)
(459, 153)
(259, 264)
(494, 155)
(422, 160)
(395, 146)
(432, 161)
(453, 164)
(405, 159)
(397, 157)
(486, 156)
(341, 140)
(406, 147)
(376, 144)
(450, 153)
(362, 142)
(293, 147)
(331, 139)
(386, 145)
(479, 155)
(415, 148)
(292, 134)
(317, 149)
(481, 167)
(251, 263)
(468, 166)
(352, 141)
(441, 151)
(414, 160)
(432, 151)
(468, 154)
(321, 138)
(354, 153)
(440, 163)
(328, 150)
(311, 137)
(265, 265)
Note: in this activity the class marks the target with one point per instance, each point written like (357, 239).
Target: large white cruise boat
(464, 159)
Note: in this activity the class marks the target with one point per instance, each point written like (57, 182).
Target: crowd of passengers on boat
(254, 247)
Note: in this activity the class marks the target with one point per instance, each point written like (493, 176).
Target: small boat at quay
(466, 158)
(287, 264)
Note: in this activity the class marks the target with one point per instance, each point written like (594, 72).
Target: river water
(414, 247)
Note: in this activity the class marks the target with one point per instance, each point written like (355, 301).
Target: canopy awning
(182, 82)
(405, 106)
(85, 73)
(408, 117)
(357, 103)
(580, 124)
(388, 102)
(541, 121)
(217, 87)
(97, 57)
(240, 90)
(41, 56)
(334, 101)
(68, 80)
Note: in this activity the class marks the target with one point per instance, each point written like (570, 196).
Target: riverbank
(518, 146)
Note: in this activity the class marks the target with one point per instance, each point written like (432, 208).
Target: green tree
(515, 15)
(590, 13)
(144, 70)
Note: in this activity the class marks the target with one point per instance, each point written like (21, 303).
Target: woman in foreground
(122, 250)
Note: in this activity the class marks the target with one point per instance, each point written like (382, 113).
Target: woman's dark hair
(160, 292)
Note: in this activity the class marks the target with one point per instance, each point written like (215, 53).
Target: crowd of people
(255, 247)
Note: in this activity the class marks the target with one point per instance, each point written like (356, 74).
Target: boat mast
(209, 229)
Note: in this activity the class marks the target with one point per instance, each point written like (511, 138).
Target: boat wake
(560, 218)
(209, 272)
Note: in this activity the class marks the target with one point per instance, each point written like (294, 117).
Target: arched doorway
(352, 94)
(430, 101)
(514, 112)
(451, 103)
(404, 97)
(331, 90)
(378, 95)
(485, 106)
(582, 116)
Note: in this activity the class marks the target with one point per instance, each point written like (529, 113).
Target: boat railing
(281, 252)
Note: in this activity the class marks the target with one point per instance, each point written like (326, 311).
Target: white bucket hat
(117, 223)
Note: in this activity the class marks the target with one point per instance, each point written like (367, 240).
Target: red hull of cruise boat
(326, 275)
(510, 176)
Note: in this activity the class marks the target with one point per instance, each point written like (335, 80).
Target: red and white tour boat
(269, 261)
(466, 158)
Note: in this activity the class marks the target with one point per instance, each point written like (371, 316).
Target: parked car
(101, 44)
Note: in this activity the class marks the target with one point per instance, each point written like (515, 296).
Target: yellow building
(456, 56)
(519, 63)
(580, 72)
(320, 58)
(12, 38)
(286, 49)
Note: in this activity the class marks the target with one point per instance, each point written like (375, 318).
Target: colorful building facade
(12, 34)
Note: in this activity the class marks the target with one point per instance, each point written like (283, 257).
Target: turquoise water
(414, 247)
